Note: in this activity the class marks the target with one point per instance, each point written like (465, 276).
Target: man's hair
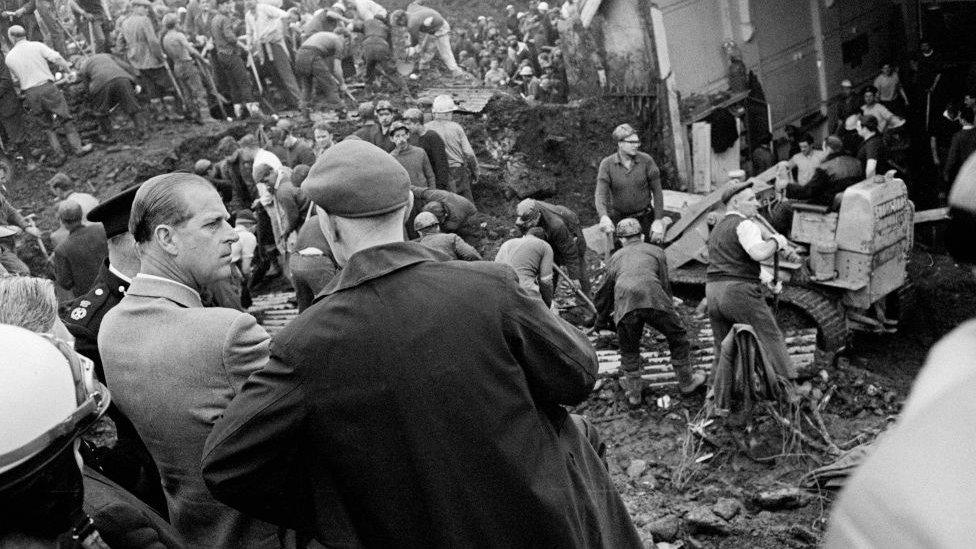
(967, 115)
(413, 114)
(28, 302)
(160, 201)
(834, 143)
(324, 126)
(805, 138)
(871, 89)
(69, 212)
(869, 122)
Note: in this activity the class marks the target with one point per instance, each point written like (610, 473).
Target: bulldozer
(850, 269)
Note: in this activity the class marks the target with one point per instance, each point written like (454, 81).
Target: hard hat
(628, 227)
(527, 212)
(284, 124)
(543, 6)
(398, 125)
(49, 397)
(202, 166)
(366, 110)
(425, 220)
(443, 104)
(384, 105)
(526, 71)
(339, 6)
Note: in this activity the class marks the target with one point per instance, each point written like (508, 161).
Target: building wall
(781, 50)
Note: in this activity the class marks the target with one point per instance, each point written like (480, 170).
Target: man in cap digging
(418, 402)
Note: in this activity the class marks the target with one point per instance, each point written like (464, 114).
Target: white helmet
(543, 6)
(443, 104)
(49, 397)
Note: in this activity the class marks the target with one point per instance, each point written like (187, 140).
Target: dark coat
(78, 259)
(417, 404)
(123, 521)
(563, 233)
(835, 173)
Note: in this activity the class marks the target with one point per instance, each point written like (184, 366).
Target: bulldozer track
(826, 312)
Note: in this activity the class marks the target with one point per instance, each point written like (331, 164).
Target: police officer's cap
(113, 214)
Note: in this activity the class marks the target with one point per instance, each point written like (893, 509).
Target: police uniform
(128, 462)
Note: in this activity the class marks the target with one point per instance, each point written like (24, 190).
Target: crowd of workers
(220, 58)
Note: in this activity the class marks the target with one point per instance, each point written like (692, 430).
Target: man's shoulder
(83, 315)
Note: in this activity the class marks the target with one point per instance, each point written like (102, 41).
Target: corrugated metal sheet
(468, 98)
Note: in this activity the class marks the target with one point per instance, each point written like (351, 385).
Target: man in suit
(417, 403)
(173, 364)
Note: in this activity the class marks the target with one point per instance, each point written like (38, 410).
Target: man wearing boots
(179, 49)
(231, 71)
(638, 292)
(138, 44)
(112, 82)
(28, 64)
(318, 62)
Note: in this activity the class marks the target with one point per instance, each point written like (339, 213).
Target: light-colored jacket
(173, 366)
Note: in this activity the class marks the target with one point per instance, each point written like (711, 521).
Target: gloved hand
(781, 241)
(657, 231)
(606, 225)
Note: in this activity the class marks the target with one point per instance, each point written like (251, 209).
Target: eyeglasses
(631, 141)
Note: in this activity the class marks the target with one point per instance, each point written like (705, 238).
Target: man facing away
(78, 259)
(173, 364)
(418, 402)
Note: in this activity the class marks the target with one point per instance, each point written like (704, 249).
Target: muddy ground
(651, 455)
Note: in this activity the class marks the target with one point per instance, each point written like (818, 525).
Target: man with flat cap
(735, 247)
(128, 462)
(562, 231)
(380, 428)
(173, 364)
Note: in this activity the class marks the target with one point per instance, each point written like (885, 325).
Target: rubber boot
(688, 380)
(630, 380)
(57, 153)
(74, 140)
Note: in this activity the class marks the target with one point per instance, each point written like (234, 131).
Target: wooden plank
(701, 146)
(927, 216)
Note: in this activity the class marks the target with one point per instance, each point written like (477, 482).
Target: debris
(702, 521)
(636, 468)
(664, 529)
(803, 534)
(784, 498)
(727, 508)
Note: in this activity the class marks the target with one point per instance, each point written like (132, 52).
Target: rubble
(636, 468)
(701, 520)
(783, 498)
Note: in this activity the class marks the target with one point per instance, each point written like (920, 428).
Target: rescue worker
(111, 83)
(28, 64)
(449, 244)
(378, 55)
(628, 184)
(562, 232)
(638, 292)
(418, 414)
(454, 212)
(264, 28)
(128, 462)
(735, 247)
(531, 258)
(461, 160)
(421, 19)
(297, 150)
(230, 68)
(137, 43)
(318, 62)
(413, 159)
(431, 143)
(378, 133)
(47, 498)
(836, 172)
(11, 225)
(186, 71)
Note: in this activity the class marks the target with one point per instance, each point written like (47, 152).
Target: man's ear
(165, 235)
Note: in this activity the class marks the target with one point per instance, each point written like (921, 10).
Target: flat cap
(113, 214)
(733, 188)
(357, 179)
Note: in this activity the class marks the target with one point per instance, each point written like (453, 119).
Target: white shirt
(27, 62)
(245, 245)
(748, 232)
(806, 164)
(264, 26)
(367, 9)
(170, 280)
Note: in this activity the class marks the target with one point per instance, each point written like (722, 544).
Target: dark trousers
(630, 329)
(12, 263)
(233, 77)
(279, 68)
(118, 91)
(156, 82)
(315, 70)
(461, 180)
(742, 302)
